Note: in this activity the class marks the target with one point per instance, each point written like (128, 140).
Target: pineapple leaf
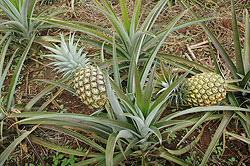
(110, 148)
(78, 136)
(152, 16)
(246, 140)
(20, 17)
(183, 123)
(161, 123)
(233, 100)
(138, 91)
(156, 109)
(4, 74)
(139, 122)
(16, 74)
(185, 61)
(111, 143)
(120, 51)
(244, 117)
(120, 93)
(201, 120)
(236, 88)
(217, 67)
(146, 27)
(87, 118)
(157, 132)
(132, 111)
(5, 36)
(60, 84)
(125, 15)
(237, 47)
(115, 65)
(55, 147)
(79, 28)
(2, 59)
(151, 58)
(187, 147)
(13, 14)
(118, 25)
(246, 124)
(149, 43)
(99, 28)
(185, 67)
(245, 80)
(204, 109)
(93, 128)
(166, 155)
(117, 159)
(149, 91)
(32, 4)
(135, 18)
(246, 54)
(153, 114)
(116, 107)
(91, 161)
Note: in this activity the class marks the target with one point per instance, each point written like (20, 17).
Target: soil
(178, 43)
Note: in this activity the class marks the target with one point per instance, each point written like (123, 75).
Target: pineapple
(88, 80)
(203, 89)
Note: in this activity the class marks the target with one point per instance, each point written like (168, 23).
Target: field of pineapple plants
(124, 82)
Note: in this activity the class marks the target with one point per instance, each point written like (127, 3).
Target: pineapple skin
(205, 89)
(89, 84)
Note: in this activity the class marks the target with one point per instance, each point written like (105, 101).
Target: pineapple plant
(88, 80)
(237, 87)
(204, 89)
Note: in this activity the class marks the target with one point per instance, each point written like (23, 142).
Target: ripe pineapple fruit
(88, 80)
(203, 89)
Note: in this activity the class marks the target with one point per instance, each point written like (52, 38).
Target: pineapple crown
(165, 78)
(69, 60)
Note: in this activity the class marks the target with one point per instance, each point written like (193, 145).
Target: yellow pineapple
(205, 89)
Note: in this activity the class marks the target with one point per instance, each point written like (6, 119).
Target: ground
(191, 43)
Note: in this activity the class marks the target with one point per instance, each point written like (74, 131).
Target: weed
(63, 109)
(171, 137)
(232, 161)
(190, 158)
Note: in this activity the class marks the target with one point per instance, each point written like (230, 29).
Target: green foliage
(238, 90)
(133, 43)
(132, 124)
(232, 161)
(8, 101)
(20, 20)
(62, 160)
(167, 75)
(190, 159)
(5, 154)
(172, 136)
